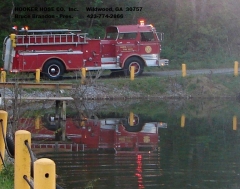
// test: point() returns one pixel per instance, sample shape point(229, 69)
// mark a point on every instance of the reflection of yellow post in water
point(234, 123)
point(236, 68)
point(183, 120)
point(132, 69)
point(131, 117)
point(37, 122)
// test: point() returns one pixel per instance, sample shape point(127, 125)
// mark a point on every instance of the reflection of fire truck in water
point(87, 134)
point(56, 52)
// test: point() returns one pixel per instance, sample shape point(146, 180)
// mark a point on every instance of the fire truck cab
point(56, 52)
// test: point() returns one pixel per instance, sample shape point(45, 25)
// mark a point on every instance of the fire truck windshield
point(147, 36)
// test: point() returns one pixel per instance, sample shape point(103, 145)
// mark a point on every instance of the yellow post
point(183, 120)
point(44, 174)
point(37, 75)
point(3, 123)
point(22, 159)
point(3, 76)
point(234, 123)
point(184, 70)
point(236, 68)
point(83, 77)
point(131, 117)
point(132, 69)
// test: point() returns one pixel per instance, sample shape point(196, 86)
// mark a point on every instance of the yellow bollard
point(236, 68)
point(22, 159)
point(44, 174)
point(3, 122)
point(132, 69)
point(184, 70)
point(131, 117)
point(83, 77)
point(37, 75)
point(3, 76)
point(234, 123)
point(183, 120)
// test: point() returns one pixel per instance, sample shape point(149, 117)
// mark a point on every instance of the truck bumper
point(163, 62)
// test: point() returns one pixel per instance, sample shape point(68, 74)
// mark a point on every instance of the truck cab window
point(127, 36)
point(147, 36)
point(112, 36)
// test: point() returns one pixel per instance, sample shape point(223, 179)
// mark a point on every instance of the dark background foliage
point(201, 33)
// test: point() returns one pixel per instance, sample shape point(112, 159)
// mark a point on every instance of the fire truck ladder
point(51, 37)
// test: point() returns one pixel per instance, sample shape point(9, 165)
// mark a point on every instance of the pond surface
point(141, 144)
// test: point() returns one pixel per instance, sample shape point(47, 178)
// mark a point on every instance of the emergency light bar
point(26, 28)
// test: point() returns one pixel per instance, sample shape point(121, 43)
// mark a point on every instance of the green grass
point(144, 85)
point(7, 177)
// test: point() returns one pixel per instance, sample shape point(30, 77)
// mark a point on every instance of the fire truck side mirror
point(161, 36)
point(13, 39)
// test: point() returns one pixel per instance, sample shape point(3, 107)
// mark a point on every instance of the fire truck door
point(149, 48)
point(126, 43)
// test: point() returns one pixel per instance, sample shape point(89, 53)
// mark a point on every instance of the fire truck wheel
point(53, 69)
point(137, 124)
point(137, 63)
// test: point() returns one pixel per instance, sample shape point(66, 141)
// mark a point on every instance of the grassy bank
point(208, 85)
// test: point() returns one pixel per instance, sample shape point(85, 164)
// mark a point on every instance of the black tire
point(138, 125)
point(137, 63)
point(53, 69)
point(10, 146)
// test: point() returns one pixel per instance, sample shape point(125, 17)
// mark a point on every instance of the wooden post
point(63, 120)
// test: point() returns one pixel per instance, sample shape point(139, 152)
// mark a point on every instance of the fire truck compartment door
point(28, 61)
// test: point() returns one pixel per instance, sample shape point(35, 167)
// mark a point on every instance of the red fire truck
point(58, 51)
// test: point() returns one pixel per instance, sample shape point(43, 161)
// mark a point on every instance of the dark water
point(172, 144)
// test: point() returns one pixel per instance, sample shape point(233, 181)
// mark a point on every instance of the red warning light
point(14, 27)
point(141, 22)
